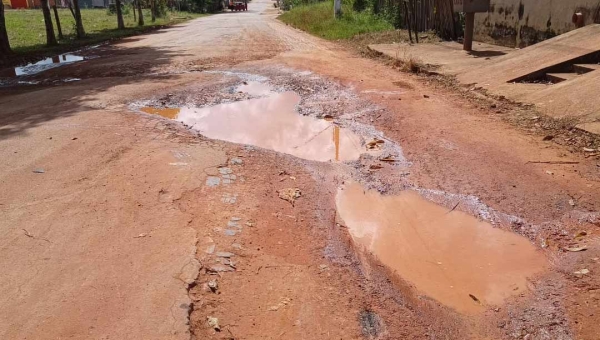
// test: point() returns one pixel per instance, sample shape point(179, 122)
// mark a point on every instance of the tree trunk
point(153, 9)
point(414, 20)
point(50, 37)
point(140, 14)
point(408, 20)
point(60, 35)
point(4, 43)
point(77, 15)
point(120, 23)
point(133, 7)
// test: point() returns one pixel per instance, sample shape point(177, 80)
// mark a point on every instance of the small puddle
point(446, 255)
point(271, 123)
point(168, 112)
point(41, 65)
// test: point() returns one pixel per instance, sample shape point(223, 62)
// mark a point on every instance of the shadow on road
point(66, 90)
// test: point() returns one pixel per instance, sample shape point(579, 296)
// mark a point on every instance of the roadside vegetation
point(317, 19)
point(360, 17)
point(26, 33)
point(26, 28)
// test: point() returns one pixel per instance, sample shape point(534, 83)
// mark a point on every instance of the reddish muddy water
point(272, 123)
point(452, 257)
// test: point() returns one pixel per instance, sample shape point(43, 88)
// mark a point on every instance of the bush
point(318, 19)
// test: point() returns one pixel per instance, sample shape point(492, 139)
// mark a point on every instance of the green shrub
point(318, 20)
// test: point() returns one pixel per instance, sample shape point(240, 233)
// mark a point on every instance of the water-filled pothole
point(41, 65)
point(450, 256)
point(272, 123)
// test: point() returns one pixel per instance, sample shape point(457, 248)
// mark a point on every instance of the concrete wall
point(520, 23)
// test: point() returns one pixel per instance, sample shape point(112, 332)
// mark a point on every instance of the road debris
point(210, 249)
point(213, 181)
point(575, 249)
point(290, 194)
point(589, 150)
point(375, 144)
point(230, 232)
point(552, 162)
point(474, 298)
point(454, 207)
point(39, 171)
point(30, 235)
point(225, 171)
point(217, 268)
point(224, 254)
point(582, 272)
point(213, 285)
point(213, 323)
point(284, 302)
point(141, 235)
point(236, 161)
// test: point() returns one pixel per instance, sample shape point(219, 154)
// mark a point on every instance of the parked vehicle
point(237, 5)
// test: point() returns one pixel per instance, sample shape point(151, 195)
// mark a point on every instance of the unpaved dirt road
point(119, 224)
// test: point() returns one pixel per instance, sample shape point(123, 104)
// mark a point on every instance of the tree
point(359, 5)
point(74, 7)
point(4, 43)
point(153, 9)
point(140, 14)
point(120, 23)
point(57, 18)
point(50, 37)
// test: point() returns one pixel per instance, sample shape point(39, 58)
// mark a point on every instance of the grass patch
point(318, 20)
point(27, 33)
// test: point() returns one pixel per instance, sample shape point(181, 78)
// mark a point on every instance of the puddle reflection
point(272, 123)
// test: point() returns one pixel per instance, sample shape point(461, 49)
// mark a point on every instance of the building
point(520, 23)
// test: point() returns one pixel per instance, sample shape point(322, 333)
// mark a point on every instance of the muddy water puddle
point(452, 257)
point(41, 65)
point(272, 123)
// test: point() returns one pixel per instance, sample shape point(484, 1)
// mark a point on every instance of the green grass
point(27, 33)
point(318, 20)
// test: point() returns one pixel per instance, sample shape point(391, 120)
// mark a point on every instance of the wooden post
point(408, 20)
point(469, 27)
